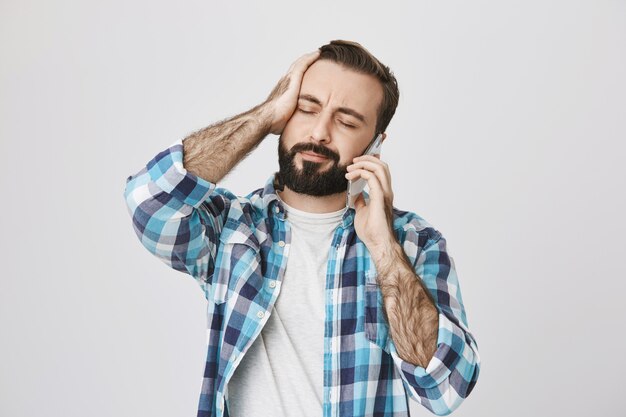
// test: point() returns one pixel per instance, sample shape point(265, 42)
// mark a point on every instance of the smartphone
point(356, 187)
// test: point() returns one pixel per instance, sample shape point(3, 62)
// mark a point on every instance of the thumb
point(359, 202)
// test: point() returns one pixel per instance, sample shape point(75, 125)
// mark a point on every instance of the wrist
point(263, 116)
point(384, 251)
point(266, 114)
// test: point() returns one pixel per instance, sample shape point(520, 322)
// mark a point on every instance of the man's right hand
point(283, 99)
point(212, 152)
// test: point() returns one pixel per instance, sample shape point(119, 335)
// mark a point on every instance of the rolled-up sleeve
point(176, 214)
point(452, 372)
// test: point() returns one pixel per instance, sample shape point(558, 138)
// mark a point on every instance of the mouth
point(311, 156)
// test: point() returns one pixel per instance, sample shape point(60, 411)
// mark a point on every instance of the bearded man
point(316, 308)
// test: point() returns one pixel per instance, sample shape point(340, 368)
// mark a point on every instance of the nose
point(320, 131)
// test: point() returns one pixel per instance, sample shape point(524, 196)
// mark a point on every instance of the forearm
point(212, 152)
point(411, 312)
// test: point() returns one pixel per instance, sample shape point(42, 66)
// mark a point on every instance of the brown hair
point(354, 56)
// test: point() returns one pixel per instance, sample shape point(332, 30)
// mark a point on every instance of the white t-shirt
point(282, 372)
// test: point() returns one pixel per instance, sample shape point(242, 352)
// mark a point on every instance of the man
point(315, 308)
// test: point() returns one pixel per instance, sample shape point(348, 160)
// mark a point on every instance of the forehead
point(337, 86)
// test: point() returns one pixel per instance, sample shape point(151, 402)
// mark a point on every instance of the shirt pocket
point(376, 325)
point(238, 256)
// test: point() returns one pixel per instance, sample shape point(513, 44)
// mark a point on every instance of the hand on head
point(284, 97)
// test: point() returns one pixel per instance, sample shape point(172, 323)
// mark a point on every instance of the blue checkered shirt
point(236, 249)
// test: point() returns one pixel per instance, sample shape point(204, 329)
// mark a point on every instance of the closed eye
point(349, 126)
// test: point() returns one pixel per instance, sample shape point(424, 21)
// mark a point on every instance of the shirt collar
point(274, 206)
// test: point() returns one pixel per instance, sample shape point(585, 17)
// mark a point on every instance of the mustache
point(312, 147)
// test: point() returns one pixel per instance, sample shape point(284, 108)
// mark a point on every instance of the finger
point(372, 158)
point(297, 70)
point(379, 168)
point(306, 57)
point(376, 190)
point(359, 202)
point(374, 155)
point(386, 179)
point(301, 64)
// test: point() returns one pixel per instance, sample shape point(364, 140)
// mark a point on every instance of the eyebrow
point(346, 110)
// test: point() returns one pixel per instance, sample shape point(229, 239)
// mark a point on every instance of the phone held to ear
point(356, 187)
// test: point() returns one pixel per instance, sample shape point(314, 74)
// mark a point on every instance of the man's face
point(336, 119)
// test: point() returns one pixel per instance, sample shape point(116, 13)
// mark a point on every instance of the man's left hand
point(373, 222)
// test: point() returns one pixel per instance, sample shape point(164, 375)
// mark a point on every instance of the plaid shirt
point(236, 249)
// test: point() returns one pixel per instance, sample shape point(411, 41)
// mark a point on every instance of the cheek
point(289, 136)
point(296, 123)
point(293, 133)
point(347, 155)
point(346, 158)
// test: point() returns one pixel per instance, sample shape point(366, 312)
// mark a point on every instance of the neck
point(313, 204)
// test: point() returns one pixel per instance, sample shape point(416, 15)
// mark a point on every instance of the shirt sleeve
point(452, 372)
point(177, 215)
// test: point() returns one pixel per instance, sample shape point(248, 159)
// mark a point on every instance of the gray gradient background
point(509, 138)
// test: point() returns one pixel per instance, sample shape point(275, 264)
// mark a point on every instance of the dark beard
point(309, 180)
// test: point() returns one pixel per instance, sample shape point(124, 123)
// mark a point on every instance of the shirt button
point(260, 314)
point(281, 243)
point(276, 209)
point(272, 284)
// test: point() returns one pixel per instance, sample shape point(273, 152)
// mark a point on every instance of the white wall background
point(509, 138)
